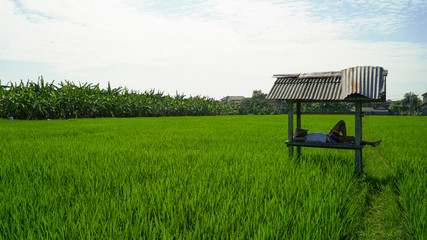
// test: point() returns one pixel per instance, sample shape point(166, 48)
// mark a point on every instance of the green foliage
point(257, 105)
point(44, 100)
point(411, 99)
point(332, 107)
point(403, 148)
point(204, 177)
point(396, 106)
point(407, 106)
point(223, 177)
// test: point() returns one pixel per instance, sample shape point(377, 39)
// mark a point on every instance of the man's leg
point(373, 144)
point(351, 139)
point(348, 139)
point(340, 127)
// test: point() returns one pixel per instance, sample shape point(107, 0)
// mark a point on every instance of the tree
point(412, 101)
point(407, 106)
point(259, 97)
point(326, 106)
point(257, 104)
point(396, 106)
point(411, 98)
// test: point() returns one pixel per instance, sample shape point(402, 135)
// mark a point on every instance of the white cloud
point(213, 47)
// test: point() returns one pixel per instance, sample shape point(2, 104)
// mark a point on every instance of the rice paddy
point(209, 177)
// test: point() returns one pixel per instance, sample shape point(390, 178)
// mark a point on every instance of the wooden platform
point(324, 145)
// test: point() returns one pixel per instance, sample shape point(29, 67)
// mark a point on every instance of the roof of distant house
point(236, 98)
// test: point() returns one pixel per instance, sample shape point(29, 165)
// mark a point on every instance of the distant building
point(235, 99)
point(423, 106)
point(376, 108)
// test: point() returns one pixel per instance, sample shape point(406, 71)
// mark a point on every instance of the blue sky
point(211, 47)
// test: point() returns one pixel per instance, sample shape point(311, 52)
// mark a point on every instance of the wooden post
point(298, 124)
point(358, 140)
point(290, 127)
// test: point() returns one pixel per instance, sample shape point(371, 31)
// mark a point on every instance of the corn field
point(43, 100)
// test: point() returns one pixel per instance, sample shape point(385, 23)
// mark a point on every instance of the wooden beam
point(358, 136)
point(348, 146)
point(298, 124)
point(290, 126)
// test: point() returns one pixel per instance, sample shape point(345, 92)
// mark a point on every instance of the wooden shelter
point(356, 84)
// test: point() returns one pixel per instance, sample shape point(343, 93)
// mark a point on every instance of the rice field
point(211, 177)
point(404, 149)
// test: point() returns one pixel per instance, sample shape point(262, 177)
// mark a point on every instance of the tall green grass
point(180, 177)
point(404, 148)
point(44, 100)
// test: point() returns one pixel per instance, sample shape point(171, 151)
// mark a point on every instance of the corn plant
point(66, 99)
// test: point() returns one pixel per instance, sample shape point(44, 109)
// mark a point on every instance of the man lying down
point(338, 134)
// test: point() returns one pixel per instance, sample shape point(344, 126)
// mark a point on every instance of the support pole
point(298, 124)
point(290, 127)
point(358, 140)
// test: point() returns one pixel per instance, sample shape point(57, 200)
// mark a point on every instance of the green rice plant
point(180, 177)
point(403, 148)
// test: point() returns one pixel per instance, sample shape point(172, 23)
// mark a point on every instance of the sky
point(211, 48)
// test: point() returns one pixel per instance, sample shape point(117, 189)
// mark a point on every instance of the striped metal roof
point(352, 84)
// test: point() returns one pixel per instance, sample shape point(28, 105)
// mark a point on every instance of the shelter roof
point(363, 83)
